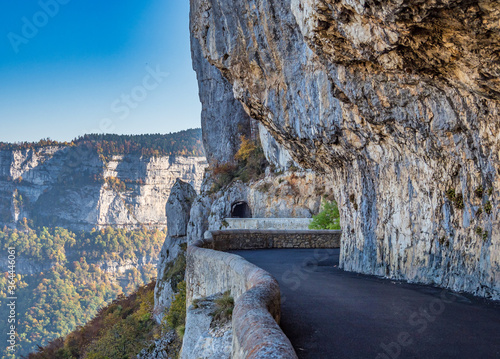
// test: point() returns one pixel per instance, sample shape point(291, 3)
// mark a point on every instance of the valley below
point(87, 221)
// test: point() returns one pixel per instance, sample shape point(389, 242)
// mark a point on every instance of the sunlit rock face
point(397, 103)
point(221, 138)
point(71, 187)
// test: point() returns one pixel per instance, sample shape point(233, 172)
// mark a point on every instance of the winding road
point(330, 313)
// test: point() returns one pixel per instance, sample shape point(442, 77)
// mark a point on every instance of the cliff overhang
point(396, 102)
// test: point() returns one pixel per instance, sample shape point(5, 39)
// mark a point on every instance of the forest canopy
point(183, 143)
point(66, 277)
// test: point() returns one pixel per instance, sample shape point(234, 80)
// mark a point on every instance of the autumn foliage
point(119, 330)
point(73, 284)
point(183, 143)
point(250, 164)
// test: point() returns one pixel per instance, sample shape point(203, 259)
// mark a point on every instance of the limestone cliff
point(284, 195)
point(396, 103)
point(78, 189)
point(172, 261)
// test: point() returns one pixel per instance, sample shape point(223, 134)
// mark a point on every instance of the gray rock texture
point(70, 187)
point(285, 195)
point(178, 207)
point(397, 103)
point(163, 348)
point(221, 138)
point(206, 338)
point(172, 262)
point(274, 152)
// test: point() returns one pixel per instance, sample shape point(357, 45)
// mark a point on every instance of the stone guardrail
point(257, 311)
point(268, 223)
point(270, 238)
point(256, 314)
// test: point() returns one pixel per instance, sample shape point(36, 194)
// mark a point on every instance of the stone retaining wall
point(256, 314)
point(257, 311)
point(234, 239)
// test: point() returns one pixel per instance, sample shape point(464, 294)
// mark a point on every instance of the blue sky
point(71, 67)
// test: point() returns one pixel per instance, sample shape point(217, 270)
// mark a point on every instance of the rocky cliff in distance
point(397, 103)
point(75, 188)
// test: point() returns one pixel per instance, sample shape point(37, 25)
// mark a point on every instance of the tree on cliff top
point(183, 143)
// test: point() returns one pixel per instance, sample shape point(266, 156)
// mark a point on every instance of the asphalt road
point(329, 313)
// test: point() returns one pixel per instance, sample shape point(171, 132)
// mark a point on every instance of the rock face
point(205, 336)
point(74, 188)
point(116, 269)
point(274, 152)
point(397, 103)
point(220, 137)
point(285, 195)
point(163, 348)
point(178, 207)
point(172, 261)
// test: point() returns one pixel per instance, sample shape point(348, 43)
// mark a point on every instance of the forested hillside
point(123, 329)
point(186, 143)
point(78, 276)
point(51, 196)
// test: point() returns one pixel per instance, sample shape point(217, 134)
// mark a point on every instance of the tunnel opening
point(241, 209)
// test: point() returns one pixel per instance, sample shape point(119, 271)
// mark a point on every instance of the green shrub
point(456, 198)
point(224, 307)
point(488, 207)
point(176, 315)
point(459, 201)
point(328, 218)
point(180, 330)
point(450, 194)
point(174, 272)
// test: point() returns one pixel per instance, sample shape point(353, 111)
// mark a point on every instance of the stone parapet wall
point(257, 311)
point(256, 315)
point(234, 239)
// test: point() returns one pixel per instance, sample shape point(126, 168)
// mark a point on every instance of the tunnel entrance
point(241, 209)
